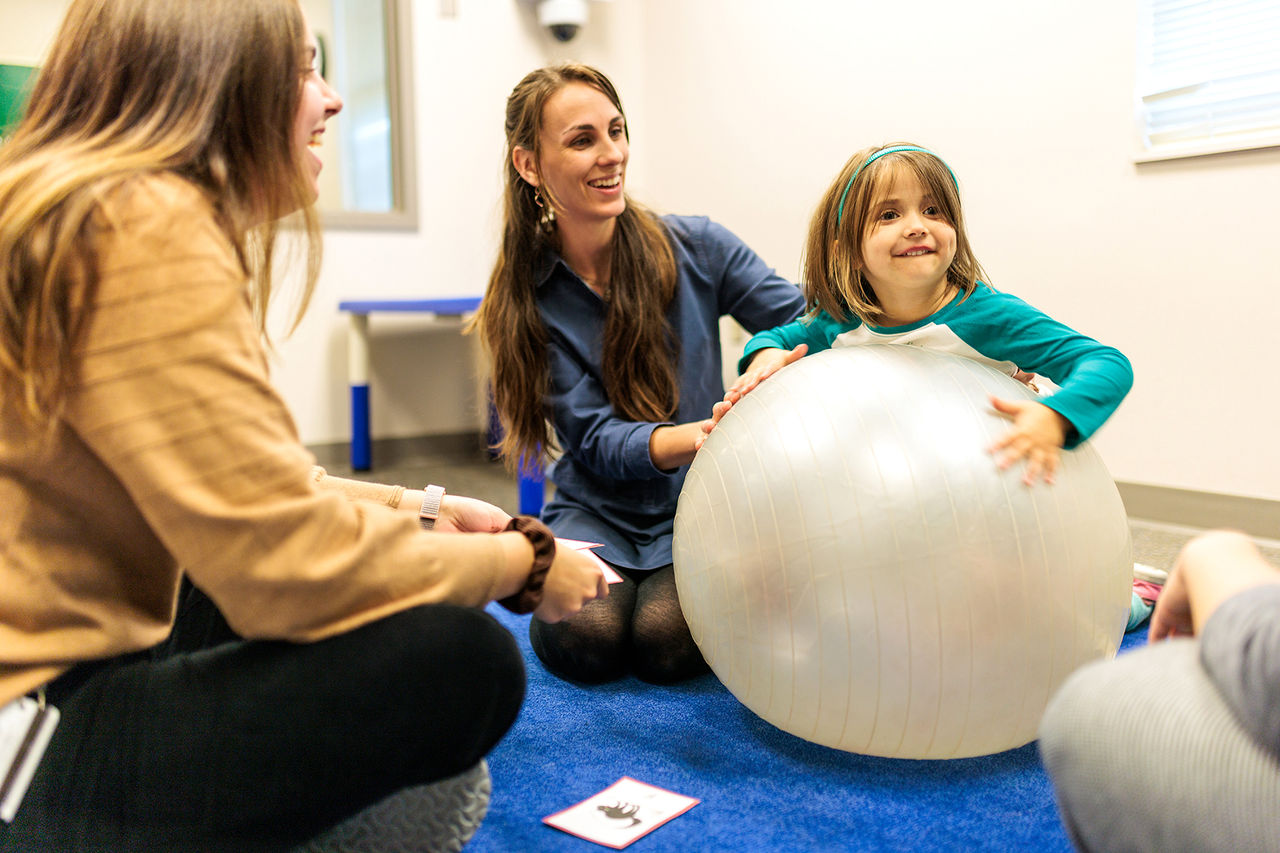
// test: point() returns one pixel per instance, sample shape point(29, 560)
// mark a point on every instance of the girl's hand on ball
point(1038, 435)
point(764, 364)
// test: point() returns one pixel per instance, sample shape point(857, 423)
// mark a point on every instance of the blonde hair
point(833, 259)
point(639, 350)
point(205, 90)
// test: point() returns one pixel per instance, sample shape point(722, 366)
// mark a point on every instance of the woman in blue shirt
point(601, 321)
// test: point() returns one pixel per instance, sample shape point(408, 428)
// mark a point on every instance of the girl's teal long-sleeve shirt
point(995, 328)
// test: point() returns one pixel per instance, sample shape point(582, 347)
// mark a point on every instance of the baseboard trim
point(1255, 516)
point(1186, 507)
point(385, 452)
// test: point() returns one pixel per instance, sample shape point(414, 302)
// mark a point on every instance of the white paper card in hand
point(621, 813)
point(25, 729)
point(610, 575)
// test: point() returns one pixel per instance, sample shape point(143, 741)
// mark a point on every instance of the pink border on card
point(610, 575)
point(693, 802)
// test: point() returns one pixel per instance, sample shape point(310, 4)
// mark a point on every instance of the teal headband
point(892, 149)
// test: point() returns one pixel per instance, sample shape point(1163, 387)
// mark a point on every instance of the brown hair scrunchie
point(544, 552)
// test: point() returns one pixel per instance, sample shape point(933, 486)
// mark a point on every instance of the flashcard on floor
point(621, 813)
point(610, 575)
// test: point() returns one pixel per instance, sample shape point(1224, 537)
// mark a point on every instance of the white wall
point(745, 109)
point(1032, 105)
point(467, 55)
point(27, 27)
point(465, 65)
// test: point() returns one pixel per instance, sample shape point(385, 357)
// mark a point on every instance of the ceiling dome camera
point(563, 32)
point(562, 18)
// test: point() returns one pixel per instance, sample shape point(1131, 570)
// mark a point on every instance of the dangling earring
point(548, 217)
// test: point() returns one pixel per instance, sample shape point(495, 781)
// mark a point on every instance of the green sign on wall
point(15, 81)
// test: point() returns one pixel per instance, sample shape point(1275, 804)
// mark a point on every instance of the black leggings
point(637, 627)
point(213, 743)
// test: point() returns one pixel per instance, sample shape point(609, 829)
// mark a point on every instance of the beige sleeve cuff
point(358, 490)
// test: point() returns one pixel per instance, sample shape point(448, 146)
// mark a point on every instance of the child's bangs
point(929, 171)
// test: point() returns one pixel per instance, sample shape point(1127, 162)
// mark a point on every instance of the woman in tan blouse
point(141, 443)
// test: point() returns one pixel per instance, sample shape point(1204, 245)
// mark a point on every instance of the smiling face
point(908, 244)
point(583, 156)
point(319, 102)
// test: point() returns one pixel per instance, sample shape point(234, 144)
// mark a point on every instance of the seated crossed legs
point(638, 628)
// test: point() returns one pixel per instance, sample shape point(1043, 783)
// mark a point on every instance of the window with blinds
point(1208, 76)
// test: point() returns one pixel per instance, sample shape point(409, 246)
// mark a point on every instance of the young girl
point(888, 261)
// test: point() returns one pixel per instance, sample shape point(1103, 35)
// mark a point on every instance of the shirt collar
point(551, 266)
point(545, 267)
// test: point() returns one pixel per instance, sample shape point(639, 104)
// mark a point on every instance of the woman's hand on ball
point(1037, 435)
point(764, 364)
point(717, 412)
point(573, 580)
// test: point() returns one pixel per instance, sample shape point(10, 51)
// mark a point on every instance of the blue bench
point(453, 310)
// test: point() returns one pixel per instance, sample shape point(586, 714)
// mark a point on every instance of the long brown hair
point(207, 90)
point(639, 351)
point(833, 251)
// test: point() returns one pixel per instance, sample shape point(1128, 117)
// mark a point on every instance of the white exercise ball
point(858, 571)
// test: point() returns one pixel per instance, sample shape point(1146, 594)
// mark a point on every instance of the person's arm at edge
point(1211, 568)
point(1225, 591)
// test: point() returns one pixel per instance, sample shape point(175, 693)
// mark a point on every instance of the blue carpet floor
point(761, 788)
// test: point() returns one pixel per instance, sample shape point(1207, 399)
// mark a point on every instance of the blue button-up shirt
point(607, 487)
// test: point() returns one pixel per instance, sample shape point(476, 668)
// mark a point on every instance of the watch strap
point(430, 509)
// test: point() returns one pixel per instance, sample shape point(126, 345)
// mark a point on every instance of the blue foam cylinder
point(532, 490)
point(360, 449)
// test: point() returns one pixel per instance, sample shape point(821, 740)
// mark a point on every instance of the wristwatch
point(430, 509)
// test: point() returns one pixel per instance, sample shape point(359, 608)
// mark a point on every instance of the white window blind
point(1209, 75)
